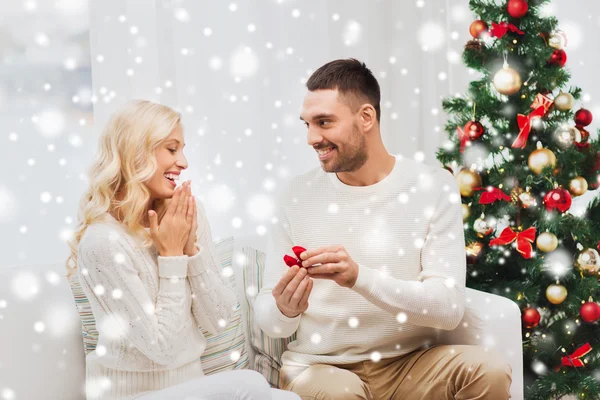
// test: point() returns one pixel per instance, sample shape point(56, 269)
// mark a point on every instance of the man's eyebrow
point(178, 142)
point(319, 116)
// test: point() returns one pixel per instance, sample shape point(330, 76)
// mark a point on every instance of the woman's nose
point(182, 162)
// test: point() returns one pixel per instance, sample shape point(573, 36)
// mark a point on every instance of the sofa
point(42, 354)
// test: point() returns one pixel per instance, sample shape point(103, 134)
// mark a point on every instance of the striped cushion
point(268, 351)
point(225, 351)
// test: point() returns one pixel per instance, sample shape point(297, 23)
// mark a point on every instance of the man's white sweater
point(406, 234)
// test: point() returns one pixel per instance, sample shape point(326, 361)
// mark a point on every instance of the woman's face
point(170, 162)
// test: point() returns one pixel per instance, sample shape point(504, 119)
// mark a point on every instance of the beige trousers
point(437, 373)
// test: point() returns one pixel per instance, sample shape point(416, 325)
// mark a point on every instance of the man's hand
point(336, 265)
point(292, 291)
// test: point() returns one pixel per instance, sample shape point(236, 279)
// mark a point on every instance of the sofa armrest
point(492, 321)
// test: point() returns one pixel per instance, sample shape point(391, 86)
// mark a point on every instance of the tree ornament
point(474, 130)
point(482, 227)
point(527, 200)
point(588, 261)
point(526, 122)
point(559, 199)
point(517, 8)
point(542, 101)
point(556, 293)
point(574, 360)
point(541, 158)
point(475, 46)
point(507, 81)
point(531, 317)
point(547, 242)
point(590, 312)
point(564, 101)
point(466, 212)
point(578, 186)
point(566, 136)
point(502, 28)
point(583, 117)
point(558, 57)
point(477, 28)
point(492, 194)
point(522, 197)
point(585, 135)
point(523, 239)
point(467, 181)
point(473, 251)
point(558, 40)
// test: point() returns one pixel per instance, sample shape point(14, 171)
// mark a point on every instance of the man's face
point(334, 131)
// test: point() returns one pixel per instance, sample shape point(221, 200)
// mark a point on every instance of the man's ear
point(368, 116)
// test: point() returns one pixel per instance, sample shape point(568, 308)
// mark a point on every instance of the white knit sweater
point(406, 234)
point(149, 309)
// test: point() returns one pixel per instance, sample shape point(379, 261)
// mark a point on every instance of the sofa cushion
point(224, 351)
point(267, 360)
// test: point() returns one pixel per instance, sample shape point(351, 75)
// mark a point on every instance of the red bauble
point(558, 57)
point(558, 198)
point(517, 8)
point(477, 28)
point(531, 317)
point(583, 117)
point(474, 130)
point(590, 312)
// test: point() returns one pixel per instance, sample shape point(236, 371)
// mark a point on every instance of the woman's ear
point(368, 116)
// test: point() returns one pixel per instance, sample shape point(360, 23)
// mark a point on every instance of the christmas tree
point(520, 151)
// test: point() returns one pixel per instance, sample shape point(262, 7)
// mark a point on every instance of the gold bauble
point(466, 212)
point(467, 181)
point(589, 261)
point(547, 242)
point(567, 136)
point(541, 158)
point(556, 293)
point(578, 186)
point(507, 81)
point(564, 101)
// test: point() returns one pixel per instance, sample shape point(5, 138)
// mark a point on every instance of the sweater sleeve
point(436, 300)
point(266, 313)
point(213, 298)
point(126, 309)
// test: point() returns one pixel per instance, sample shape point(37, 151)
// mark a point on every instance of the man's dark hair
point(352, 79)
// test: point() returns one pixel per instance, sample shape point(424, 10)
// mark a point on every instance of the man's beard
point(352, 158)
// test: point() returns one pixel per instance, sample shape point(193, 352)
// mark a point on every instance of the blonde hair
point(125, 160)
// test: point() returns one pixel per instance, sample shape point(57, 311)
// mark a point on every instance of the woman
point(144, 255)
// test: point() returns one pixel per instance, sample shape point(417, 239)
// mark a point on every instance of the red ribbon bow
point(573, 360)
point(524, 122)
point(524, 240)
point(491, 195)
point(499, 30)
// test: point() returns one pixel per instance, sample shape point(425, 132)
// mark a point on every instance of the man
point(384, 266)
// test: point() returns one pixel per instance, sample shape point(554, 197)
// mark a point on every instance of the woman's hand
point(190, 247)
point(171, 236)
